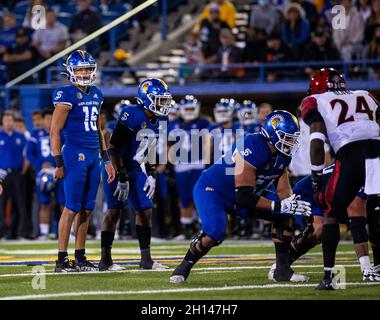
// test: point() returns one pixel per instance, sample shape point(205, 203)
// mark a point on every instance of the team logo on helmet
point(145, 86)
point(275, 120)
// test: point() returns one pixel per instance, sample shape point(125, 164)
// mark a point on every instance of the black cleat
point(326, 284)
point(65, 266)
point(288, 274)
point(181, 273)
point(85, 266)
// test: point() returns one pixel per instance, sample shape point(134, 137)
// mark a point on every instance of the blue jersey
point(256, 152)
point(176, 129)
point(80, 129)
point(223, 138)
point(12, 150)
point(141, 133)
point(38, 150)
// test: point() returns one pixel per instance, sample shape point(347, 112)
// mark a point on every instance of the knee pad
point(196, 246)
point(279, 231)
point(373, 214)
point(358, 229)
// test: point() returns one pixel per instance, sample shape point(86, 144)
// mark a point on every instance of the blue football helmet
point(246, 112)
point(45, 180)
point(80, 59)
point(189, 108)
point(224, 110)
point(154, 95)
point(118, 107)
point(173, 111)
point(282, 130)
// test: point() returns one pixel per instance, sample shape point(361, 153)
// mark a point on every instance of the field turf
point(234, 270)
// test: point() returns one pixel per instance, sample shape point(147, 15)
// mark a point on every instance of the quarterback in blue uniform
point(257, 163)
point(77, 109)
point(131, 144)
point(188, 161)
point(38, 152)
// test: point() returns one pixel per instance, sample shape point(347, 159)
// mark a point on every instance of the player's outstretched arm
point(60, 115)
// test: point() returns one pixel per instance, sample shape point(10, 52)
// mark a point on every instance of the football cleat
point(285, 275)
point(370, 274)
point(65, 266)
point(85, 266)
point(325, 284)
point(152, 266)
point(109, 266)
point(181, 273)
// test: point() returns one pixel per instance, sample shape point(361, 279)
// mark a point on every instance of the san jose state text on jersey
point(81, 126)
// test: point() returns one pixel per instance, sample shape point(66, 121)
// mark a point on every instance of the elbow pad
point(246, 198)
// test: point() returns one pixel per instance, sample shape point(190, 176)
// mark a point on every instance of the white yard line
point(199, 269)
point(181, 290)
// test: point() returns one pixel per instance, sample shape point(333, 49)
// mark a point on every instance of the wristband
point(122, 175)
point(151, 170)
point(276, 206)
point(104, 155)
point(59, 161)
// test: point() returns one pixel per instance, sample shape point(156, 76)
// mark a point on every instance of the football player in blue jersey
point(222, 134)
point(244, 179)
point(312, 232)
point(247, 116)
point(38, 152)
point(189, 159)
point(133, 138)
point(77, 108)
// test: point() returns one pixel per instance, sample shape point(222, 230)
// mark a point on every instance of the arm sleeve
point(309, 111)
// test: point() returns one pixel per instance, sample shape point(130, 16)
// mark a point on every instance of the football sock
point(62, 256)
point(282, 254)
point(107, 238)
point(80, 255)
point(364, 262)
point(330, 240)
point(44, 229)
point(144, 236)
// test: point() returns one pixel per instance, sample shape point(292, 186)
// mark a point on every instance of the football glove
point(122, 189)
point(150, 186)
point(317, 185)
point(292, 205)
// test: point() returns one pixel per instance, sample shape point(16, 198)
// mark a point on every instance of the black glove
point(317, 185)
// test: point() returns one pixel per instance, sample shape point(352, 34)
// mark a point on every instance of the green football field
point(234, 270)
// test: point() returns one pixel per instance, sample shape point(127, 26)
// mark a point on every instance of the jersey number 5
point(361, 107)
point(90, 122)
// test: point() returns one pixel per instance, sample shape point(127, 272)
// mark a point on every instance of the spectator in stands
point(19, 58)
point(364, 8)
point(349, 40)
point(228, 53)
point(227, 12)
point(12, 144)
point(373, 21)
point(8, 32)
point(85, 22)
point(209, 33)
point(295, 29)
point(311, 12)
point(265, 16)
point(51, 40)
point(319, 49)
point(373, 53)
point(254, 50)
point(29, 13)
point(193, 49)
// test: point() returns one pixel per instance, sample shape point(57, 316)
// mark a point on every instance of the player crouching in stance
point(136, 178)
point(243, 178)
point(77, 108)
point(357, 218)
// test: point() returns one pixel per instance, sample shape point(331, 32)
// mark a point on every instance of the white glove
point(151, 184)
point(122, 191)
point(293, 205)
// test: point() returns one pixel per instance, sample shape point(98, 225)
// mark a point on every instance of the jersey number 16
point(90, 122)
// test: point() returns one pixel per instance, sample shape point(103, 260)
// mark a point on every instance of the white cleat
point(296, 277)
point(159, 266)
point(115, 267)
point(371, 274)
point(177, 279)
